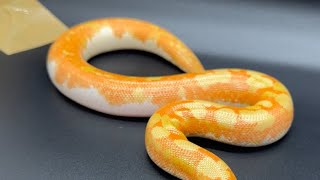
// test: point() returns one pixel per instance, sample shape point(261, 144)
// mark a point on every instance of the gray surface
point(43, 135)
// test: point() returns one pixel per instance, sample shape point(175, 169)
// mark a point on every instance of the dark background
point(43, 135)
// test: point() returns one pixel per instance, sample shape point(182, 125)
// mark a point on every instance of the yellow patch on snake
point(285, 101)
point(262, 117)
point(221, 76)
point(225, 117)
point(265, 103)
point(199, 113)
point(198, 110)
point(179, 113)
point(256, 81)
point(186, 145)
point(88, 69)
point(269, 94)
point(138, 95)
point(279, 87)
point(213, 169)
point(94, 70)
point(166, 122)
point(153, 78)
point(171, 124)
point(182, 93)
point(175, 121)
point(198, 104)
point(159, 132)
point(154, 120)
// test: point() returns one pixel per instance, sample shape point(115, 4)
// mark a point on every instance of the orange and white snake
point(188, 104)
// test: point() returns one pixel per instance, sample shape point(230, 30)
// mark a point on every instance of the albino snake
point(181, 105)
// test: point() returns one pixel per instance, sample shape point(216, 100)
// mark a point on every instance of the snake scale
point(188, 104)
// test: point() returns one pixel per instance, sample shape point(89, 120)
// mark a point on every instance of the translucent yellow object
point(26, 24)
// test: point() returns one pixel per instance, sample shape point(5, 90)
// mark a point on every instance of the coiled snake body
point(188, 104)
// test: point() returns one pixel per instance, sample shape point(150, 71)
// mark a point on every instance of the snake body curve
point(188, 104)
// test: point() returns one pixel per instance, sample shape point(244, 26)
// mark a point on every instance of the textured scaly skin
point(188, 104)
